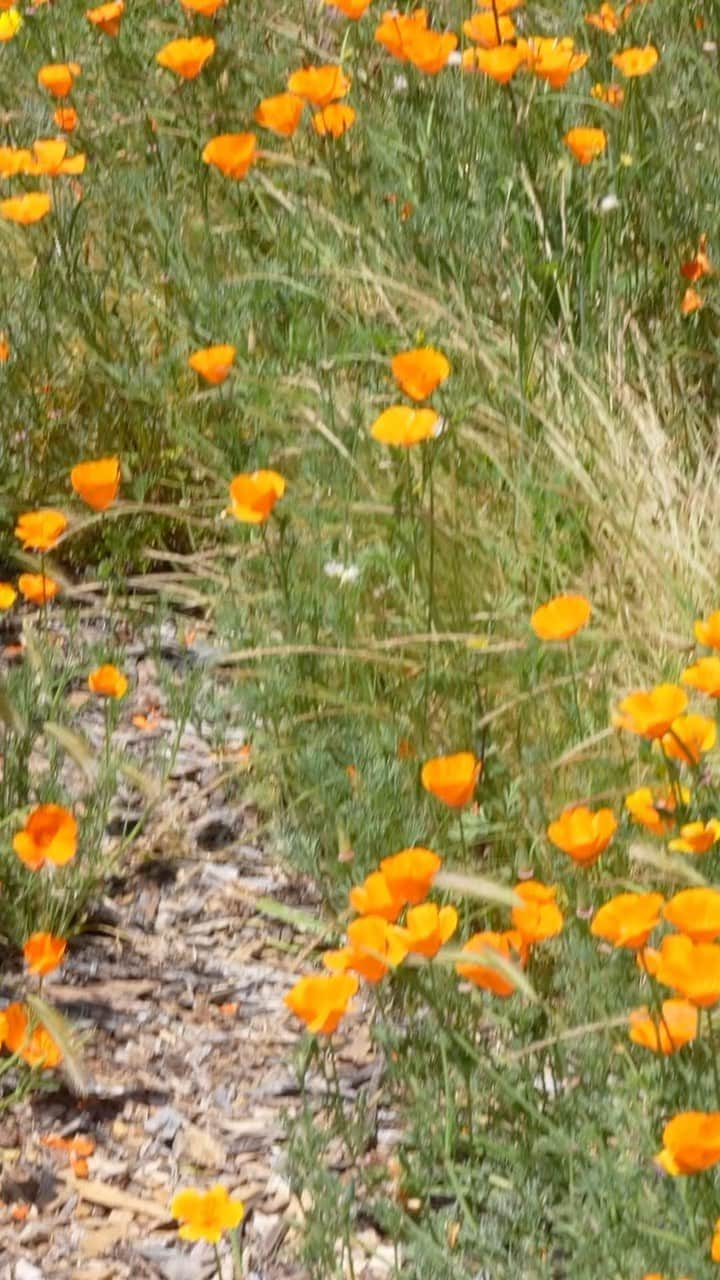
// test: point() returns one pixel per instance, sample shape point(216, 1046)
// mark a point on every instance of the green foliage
point(578, 450)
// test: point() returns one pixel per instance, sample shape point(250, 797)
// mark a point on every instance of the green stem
point(218, 1264)
point(673, 778)
point(463, 840)
point(430, 599)
point(237, 1254)
point(449, 1162)
point(43, 610)
point(656, 1004)
point(713, 1055)
point(108, 734)
point(576, 695)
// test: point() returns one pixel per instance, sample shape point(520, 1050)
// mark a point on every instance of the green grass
point(579, 453)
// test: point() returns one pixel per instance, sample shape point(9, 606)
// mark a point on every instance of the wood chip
point(110, 1197)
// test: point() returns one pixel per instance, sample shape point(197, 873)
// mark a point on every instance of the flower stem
point(430, 595)
point(218, 1264)
point(108, 734)
point(237, 1254)
point(573, 679)
point(713, 1055)
point(43, 611)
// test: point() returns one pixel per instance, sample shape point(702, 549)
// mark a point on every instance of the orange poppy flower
point(429, 50)
point(585, 143)
point(691, 1142)
point(452, 779)
point(691, 301)
point(352, 9)
point(43, 952)
point(654, 811)
point(35, 1046)
point(486, 945)
point(635, 62)
point(582, 834)
point(374, 897)
point(500, 63)
point(334, 121)
point(539, 917)
point(397, 30)
point(374, 947)
point(321, 1001)
point(97, 483)
point(696, 837)
point(613, 95)
point(485, 31)
point(4, 349)
point(561, 618)
point(628, 919)
point(428, 928)
point(699, 265)
point(689, 737)
point(107, 17)
point(677, 1027)
point(319, 85)
point(11, 21)
point(403, 427)
point(38, 588)
point(690, 968)
point(205, 1215)
point(704, 675)
point(40, 530)
point(253, 495)
point(554, 60)
point(49, 835)
point(107, 682)
point(231, 153)
point(187, 56)
point(49, 158)
point(650, 712)
point(281, 114)
point(695, 913)
point(206, 8)
point(58, 78)
point(8, 595)
point(410, 873)
point(13, 161)
point(707, 631)
point(213, 363)
point(66, 118)
point(26, 209)
point(420, 371)
point(606, 19)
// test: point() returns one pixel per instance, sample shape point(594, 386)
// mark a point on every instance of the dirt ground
point(176, 992)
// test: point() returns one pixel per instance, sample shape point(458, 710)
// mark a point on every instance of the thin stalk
point(218, 1264)
point(574, 683)
point(673, 778)
point(447, 1143)
point(430, 597)
point(656, 1002)
point(237, 1254)
point(713, 1054)
point(43, 608)
point(108, 734)
point(463, 840)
